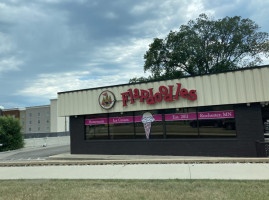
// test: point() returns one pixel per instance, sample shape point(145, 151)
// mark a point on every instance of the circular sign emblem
point(107, 99)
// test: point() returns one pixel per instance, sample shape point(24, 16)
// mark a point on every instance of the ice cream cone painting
point(146, 120)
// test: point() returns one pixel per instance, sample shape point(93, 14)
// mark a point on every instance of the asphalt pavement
point(34, 153)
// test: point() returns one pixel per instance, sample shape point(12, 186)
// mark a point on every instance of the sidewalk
point(67, 166)
point(239, 171)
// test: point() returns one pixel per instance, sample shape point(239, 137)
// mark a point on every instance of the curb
point(126, 162)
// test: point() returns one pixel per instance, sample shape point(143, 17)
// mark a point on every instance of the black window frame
point(134, 136)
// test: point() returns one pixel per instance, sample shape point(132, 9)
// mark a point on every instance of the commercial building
point(23, 120)
point(219, 114)
point(15, 113)
point(57, 124)
point(38, 119)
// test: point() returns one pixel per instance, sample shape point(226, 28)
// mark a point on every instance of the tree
point(10, 134)
point(206, 46)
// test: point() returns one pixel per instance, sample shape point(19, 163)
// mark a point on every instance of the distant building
point(37, 119)
point(23, 120)
point(14, 112)
point(17, 114)
point(57, 124)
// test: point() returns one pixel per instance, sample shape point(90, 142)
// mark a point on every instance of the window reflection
point(121, 125)
point(213, 121)
point(96, 127)
point(179, 123)
point(216, 121)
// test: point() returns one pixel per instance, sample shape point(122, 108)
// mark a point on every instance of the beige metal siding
point(244, 86)
point(265, 81)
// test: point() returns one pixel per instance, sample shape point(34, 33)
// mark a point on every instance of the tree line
point(205, 46)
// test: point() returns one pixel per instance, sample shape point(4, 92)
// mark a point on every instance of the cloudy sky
point(49, 46)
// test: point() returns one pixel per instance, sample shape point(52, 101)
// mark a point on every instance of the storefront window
point(121, 125)
point(216, 121)
point(265, 118)
point(213, 121)
point(149, 124)
point(181, 123)
point(96, 127)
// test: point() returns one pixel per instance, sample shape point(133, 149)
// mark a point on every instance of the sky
point(50, 46)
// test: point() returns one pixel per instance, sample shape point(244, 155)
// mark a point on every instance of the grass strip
point(133, 189)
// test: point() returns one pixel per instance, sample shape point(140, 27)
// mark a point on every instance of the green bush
point(10, 134)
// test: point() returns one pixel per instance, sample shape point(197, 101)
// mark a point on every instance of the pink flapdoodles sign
point(180, 116)
point(201, 115)
point(119, 120)
point(168, 117)
point(96, 121)
point(216, 114)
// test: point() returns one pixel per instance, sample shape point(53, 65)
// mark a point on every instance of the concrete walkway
point(237, 171)
point(67, 166)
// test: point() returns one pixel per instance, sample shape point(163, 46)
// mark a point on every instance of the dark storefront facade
point(171, 117)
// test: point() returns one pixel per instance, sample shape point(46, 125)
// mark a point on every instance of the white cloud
point(111, 15)
point(124, 54)
point(20, 14)
point(142, 8)
point(47, 85)
point(9, 64)
point(32, 27)
point(6, 44)
point(195, 8)
point(63, 1)
point(168, 15)
point(51, 1)
point(10, 104)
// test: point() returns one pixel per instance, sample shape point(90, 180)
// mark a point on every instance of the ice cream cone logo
point(146, 120)
point(107, 99)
